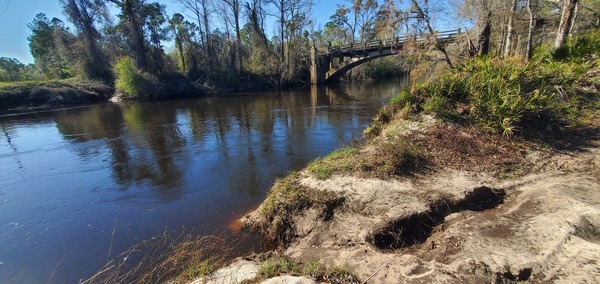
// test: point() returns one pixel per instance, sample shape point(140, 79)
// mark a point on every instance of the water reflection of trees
point(234, 143)
point(143, 141)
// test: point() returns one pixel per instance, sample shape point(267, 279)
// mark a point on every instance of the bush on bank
point(135, 84)
point(554, 90)
point(132, 82)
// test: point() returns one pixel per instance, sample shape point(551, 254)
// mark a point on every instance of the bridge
point(325, 70)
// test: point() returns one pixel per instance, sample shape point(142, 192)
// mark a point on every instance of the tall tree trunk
point(528, 49)
point(501, 40)
point(484, 36)
point(572, 26)
point(179, 44)
point(565, 22)
point(132, 9)
point(282, 29)
point(509, 29)
point(236, 17)
point(209, 46)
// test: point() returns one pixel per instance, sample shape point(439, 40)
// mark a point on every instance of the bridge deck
point(353, 49)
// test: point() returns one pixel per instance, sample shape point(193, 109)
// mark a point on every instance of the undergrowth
point(276, 265)
point(133, 82)
point(393, 158)
point(509, 95)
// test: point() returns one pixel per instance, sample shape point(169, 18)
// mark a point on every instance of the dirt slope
point(456, 226)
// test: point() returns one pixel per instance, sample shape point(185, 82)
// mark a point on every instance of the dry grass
point(390, 159)
point(469, 148)
point(166, 258)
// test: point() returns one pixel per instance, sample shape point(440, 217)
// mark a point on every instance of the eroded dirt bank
point(523, 215)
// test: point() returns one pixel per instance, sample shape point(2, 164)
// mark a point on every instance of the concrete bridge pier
point(318, 66)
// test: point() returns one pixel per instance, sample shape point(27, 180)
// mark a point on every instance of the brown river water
point(80, 185)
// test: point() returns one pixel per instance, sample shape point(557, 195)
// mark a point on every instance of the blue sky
point(16, 14)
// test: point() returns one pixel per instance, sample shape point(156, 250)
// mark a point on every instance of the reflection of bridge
point(323, 69)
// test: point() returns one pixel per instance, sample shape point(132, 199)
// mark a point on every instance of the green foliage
point(11, 70)
point(199, 269)
point(278, 265)
point(337, 161)
point(505, 95)
point(312, 268)
point(133, 82)
point(49, 58)
point(435, 104)
point(391, 159)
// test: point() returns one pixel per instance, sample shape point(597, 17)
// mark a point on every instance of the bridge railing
point(381, 43)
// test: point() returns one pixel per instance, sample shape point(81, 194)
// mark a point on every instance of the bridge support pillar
point(317, 72)
point(314, 69)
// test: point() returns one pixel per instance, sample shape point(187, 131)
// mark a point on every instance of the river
point(79, 185)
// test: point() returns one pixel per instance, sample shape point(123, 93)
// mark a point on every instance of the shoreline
point(446, 225)
point(470, 177)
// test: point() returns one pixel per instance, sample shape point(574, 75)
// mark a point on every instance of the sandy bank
point(539, 223)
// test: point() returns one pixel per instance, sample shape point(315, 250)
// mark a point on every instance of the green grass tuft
point(339, 160)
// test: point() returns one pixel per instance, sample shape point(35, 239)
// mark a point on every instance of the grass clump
point(286, 198)
point(399, 158)
point(509, 95)
point(396, 158)
point(199, 269)
point(339, 160)
point(277, 265)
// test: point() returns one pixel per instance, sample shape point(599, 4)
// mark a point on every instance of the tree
point(480, 12)
point(200, 9)
point(565, 22)
point(509, 28)
point(157, 32)
point(359, 18)
point(235, 6)
point(43, 47)
point(132, 18)
point(424, 17)
point(11, 70)
point(281, 6)
point(179, 31)
point(531, 12)
point(85, 14)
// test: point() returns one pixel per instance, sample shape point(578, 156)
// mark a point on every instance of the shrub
point(504, 95)
point(133, 82)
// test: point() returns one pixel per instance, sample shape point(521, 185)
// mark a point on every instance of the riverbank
point(24, 95)
point(489, 173)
